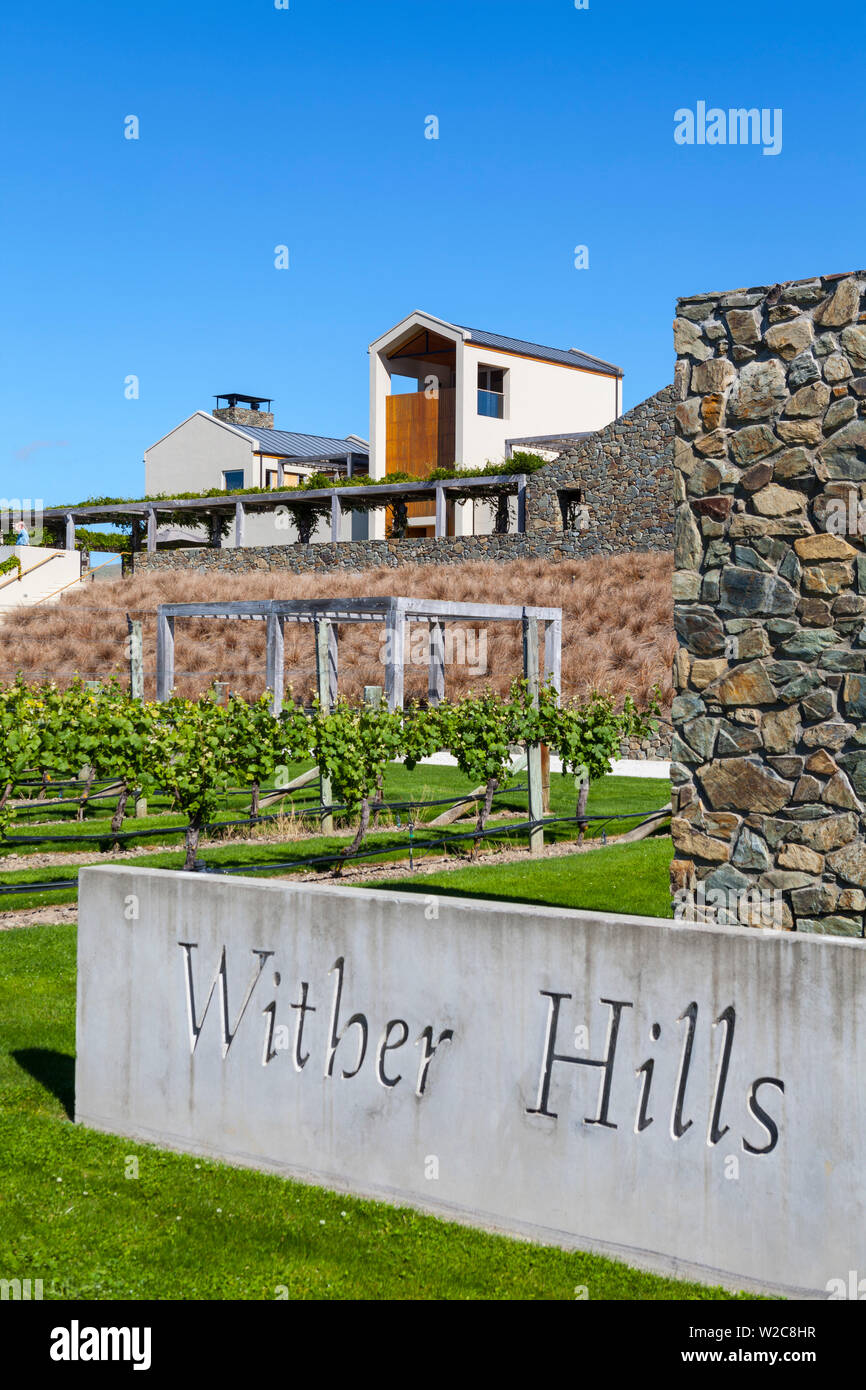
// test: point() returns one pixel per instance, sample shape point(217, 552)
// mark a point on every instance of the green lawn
point(611, 796)
point(620, 878)
point(186, 1228)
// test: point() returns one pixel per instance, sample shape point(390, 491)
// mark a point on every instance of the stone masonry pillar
point(769, 746)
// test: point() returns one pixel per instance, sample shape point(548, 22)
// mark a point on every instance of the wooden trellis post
point(164, 654)
point(325, 636)
point(553, 654)
point(136, 660)
point(436, 677)
point(275, 678)
point(395, 628)
point(533, 750)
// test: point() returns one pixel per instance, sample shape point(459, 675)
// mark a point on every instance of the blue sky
point(305, 127)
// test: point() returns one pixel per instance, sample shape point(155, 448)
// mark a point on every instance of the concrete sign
point(688, 1098)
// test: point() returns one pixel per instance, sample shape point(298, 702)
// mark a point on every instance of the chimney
point(244, 410)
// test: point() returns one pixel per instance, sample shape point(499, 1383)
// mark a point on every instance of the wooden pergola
point(221, 508)
point(539, 625)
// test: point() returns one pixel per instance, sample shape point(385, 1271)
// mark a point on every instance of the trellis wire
point(339, 855)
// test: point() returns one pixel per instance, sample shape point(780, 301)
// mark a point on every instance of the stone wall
point(769, 741)
point(623, 474)
point(325, 556)
point(657, 748)
point(237, 415)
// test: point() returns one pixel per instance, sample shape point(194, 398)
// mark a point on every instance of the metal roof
point(302, 446)
point(570, 357)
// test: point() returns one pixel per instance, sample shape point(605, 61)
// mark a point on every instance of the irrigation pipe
point(338, 855)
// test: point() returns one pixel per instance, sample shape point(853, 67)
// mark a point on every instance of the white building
point(478, 394)
point(239, 448)
point(467, 398)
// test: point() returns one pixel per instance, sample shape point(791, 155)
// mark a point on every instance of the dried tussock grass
point(617, 636)
point(286, 826)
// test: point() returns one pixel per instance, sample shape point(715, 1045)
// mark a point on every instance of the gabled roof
point(287, 444)
point(569, 357)
point(479, 337)
point(284, 443)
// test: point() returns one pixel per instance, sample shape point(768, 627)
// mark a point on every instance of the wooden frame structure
point(325, 615)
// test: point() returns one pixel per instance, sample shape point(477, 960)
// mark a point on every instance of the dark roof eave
point(566, 357)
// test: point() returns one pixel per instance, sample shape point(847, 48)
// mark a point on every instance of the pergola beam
point(385, 493)
point(395, 613)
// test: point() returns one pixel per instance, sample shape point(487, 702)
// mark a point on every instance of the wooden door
point(419, 437)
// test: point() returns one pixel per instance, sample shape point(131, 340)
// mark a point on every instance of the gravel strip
point(39, 917)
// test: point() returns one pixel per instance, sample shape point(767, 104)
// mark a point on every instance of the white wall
point(194, 456)
point(541, 398)
point(261, 528)
point(61, 571)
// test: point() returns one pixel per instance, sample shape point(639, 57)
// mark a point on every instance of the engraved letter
point(643, 1120)
point(761, 1115)
point(728, 1017)
point(196, 1025)
point(386, 1046)
point(268, 1053)
point(678, 1129)
point(336, 1036)
point(551, 1056)
point(429, 1053)
point(304, 1008)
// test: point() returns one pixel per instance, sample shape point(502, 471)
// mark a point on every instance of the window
point(272, 479)
point(491, 392)
point(233, 479)
point(575, 515)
